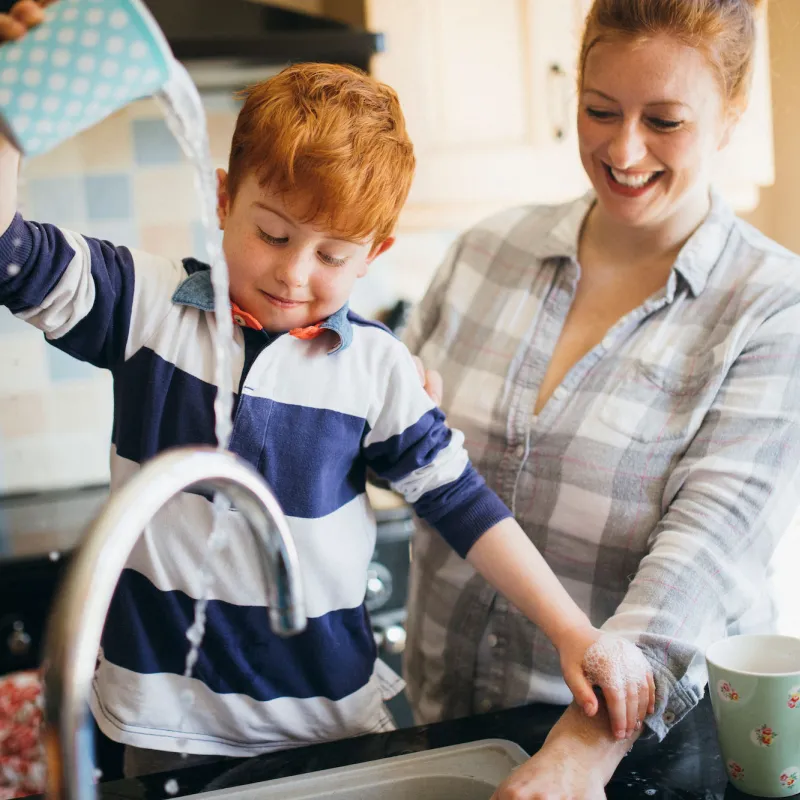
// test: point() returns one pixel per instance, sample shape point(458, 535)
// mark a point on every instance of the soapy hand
point(24, 15)
point(590, 658)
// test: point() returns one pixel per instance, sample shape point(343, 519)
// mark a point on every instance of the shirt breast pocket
point(662, 396)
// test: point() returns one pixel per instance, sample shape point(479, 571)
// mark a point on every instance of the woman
point(624, 369)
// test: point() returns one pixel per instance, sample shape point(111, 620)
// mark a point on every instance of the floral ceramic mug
point(754, 683)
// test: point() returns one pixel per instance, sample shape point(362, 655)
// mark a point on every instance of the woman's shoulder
point(534, 228)
point(764, 261)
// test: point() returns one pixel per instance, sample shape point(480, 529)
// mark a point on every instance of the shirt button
point(520, 450)
point(607, 342)
point(560, 393)
point(491, 640)
point(668, 717)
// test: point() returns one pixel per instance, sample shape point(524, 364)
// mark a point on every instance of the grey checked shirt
point(656, 481)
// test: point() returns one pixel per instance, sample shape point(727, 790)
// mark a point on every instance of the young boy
point(319, 169)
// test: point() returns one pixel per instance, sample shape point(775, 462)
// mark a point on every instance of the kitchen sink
point(463, 772)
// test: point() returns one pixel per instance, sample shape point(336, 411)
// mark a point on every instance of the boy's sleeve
point(410, 445)
point(79, 291)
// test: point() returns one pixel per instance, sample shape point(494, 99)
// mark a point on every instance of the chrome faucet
point(80, 608)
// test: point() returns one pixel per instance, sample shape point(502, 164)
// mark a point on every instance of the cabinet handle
point(558, 100)
point(19, 641)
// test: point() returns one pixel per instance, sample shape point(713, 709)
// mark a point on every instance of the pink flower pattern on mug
point(727, 692)
point(736, 771)
point(764, 736)
point(790, 777)
point(794, 697)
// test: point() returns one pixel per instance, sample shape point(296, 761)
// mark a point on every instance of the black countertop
point(686, 764)
point(32, 526)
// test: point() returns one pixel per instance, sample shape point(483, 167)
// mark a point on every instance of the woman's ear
point(729, 127)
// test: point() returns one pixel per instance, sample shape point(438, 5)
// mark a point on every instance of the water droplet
point(54, 555)
point(13, 270)
point(171, 786)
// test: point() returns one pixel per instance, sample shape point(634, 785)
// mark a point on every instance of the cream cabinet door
point(489, 92)
point(488, 89)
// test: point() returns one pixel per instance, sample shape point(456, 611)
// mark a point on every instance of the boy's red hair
point(334, 137)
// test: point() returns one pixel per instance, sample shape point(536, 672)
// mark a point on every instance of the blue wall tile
point(66, 368)
point(109, 196)
point(9, 323)
point(199, 248)
point(153, 143)
point(61, 201)
point(121, 232)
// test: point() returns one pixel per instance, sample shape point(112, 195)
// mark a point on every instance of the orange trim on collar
point(245, 320)
point(311, 332)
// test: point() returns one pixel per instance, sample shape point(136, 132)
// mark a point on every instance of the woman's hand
point(24, 15)
point(552, 776)
point(431, 380)
point(576, 761)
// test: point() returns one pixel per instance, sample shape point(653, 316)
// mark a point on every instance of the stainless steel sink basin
point(464, 772)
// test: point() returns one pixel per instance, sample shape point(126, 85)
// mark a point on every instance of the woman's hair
point(724, 30)
point(336, 136)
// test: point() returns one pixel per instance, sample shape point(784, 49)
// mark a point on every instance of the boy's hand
point(24, 15)
point(590, 658)
point(431, 381)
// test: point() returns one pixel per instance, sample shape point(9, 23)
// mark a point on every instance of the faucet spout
point(80, 608)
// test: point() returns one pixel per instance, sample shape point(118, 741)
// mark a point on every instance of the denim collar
point(197, 292)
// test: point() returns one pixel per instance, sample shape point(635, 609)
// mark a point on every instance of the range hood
point(228, 44)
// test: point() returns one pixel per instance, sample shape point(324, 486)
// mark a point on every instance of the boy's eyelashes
point(272, 239)
point(277, 241)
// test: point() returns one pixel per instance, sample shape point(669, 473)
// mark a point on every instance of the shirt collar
point(694, 263)
point(197, 292)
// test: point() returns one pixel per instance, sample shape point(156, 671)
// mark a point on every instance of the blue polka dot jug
point(88, 59)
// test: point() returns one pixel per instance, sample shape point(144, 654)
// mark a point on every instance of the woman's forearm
point(588, 740)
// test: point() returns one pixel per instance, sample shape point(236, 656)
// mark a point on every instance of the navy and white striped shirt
point(311, 416)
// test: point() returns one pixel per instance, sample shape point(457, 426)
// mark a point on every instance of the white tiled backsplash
point(125, 180)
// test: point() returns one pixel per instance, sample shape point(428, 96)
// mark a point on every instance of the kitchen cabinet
point(489, 92)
